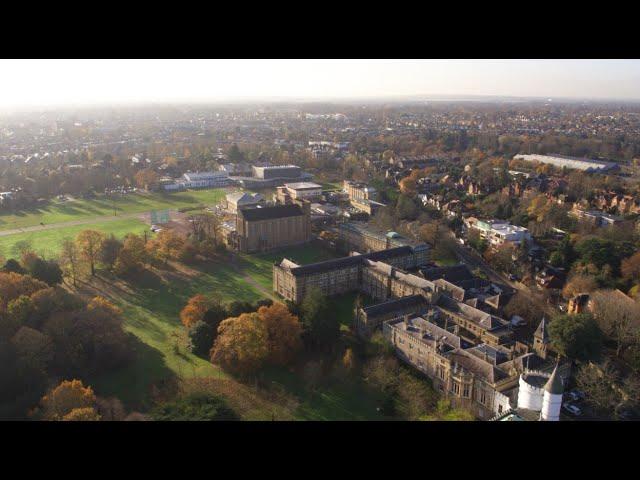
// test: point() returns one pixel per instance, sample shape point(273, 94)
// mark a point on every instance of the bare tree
point(618, 316)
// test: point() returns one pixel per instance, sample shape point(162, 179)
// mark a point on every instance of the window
point(456, 387)
point(483, 397)
point(499, 408)
point(465, 391)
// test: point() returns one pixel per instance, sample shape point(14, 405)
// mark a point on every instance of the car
point(572, 409)
point(575, 395)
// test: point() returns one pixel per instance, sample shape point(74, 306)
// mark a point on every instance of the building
point(269, 172)
point(562, 161)
point(304, 191)
point(596, 217)
point(359, 190)
point(267, 228)
point(200, 180)
point(362, 237)
point(498, 232)
point(380, 274)
point(539, 396)
point(238, 200)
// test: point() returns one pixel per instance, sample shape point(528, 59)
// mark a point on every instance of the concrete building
point(561, 161)
point(304, 190)
point(238, 200)
point(262, 229)
point(498, 232)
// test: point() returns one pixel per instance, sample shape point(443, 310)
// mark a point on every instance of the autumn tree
point(167, 245)
point(195, 310)
point(63, 399)
point(147, 178)
point(89, 242)
point(241, 346)
point(12, 285)
point(283, 333)
point(109, 250)
point(84, 414)
point(631, 267)
point(70, 259)
point(579, 284)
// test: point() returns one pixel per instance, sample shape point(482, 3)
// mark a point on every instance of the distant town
point(318, 261)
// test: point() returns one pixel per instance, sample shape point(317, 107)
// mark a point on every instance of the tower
point(552, 397)
point(541, 339)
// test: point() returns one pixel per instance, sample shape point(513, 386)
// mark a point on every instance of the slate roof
point(394, 305)
point(270, 213)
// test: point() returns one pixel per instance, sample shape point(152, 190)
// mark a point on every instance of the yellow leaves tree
point(66, 397)
point(195, 310)
point(167, 245)
point(86, 414)
point(146, 178)
point(539, 207)
point(89, 242)
point(283, 333)
point(241, 346)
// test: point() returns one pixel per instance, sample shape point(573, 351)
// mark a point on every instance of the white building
point(560, 161)
point(499, 232)
point(200, 180)
point(304, 190)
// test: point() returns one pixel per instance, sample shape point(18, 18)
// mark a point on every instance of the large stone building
point(379, 274)
point(361, 237)
point(267, 228)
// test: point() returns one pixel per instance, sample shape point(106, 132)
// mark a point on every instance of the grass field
point(48, 242)
point(56, 211)
point(151, 308)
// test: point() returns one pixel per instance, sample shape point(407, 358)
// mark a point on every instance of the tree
point(21, 247)
point(631, 267)
point(12, 285)
point(241, 346)
point(617, 316)
point(195, 310)
point(578, 284)
point(86, 414)
point(445, 412)
point(599, 383)
point(195, 407)
point(47, 271)
point(147, 178)
point(283, 333)
point(406, 208)
point(168, 245)
point(89, 242)
point(69, 259)
point(576, 336)
point(12, 265)
point(321, 326)
point(67, 396)
point(109, 250)
point(33, 348)
point(201, 337)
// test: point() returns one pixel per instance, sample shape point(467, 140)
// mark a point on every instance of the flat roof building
point(560, 161)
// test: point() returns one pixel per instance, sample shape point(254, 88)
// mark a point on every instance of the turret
point(541, 339)
point(552, 398)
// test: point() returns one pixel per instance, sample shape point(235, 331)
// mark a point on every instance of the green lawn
point(151, 313)
point(56, 211)
point(48, 242)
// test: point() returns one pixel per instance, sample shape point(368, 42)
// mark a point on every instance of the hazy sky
point(77, 82)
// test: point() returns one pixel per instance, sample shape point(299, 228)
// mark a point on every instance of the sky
point(44, 83)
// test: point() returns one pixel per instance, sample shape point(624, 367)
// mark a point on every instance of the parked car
point(576, 395)
point(572, 409)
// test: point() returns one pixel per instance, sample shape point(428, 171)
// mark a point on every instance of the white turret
point(552, 399)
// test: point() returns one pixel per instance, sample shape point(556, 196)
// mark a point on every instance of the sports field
point(56, 211)
point(48, 242)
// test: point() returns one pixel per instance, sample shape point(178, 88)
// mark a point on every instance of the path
point(250, 280)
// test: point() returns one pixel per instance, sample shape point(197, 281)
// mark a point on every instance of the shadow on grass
point(134, 384)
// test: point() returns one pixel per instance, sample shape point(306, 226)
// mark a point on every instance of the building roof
point(244, 197)
point(270, 213)
point(453, 274)
point(394, 305)
point(352, 260)
point(303, 186)
point(554, 385)
point(541, 332)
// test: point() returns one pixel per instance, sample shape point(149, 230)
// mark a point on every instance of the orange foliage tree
point(283, 333)
point(63, 399)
